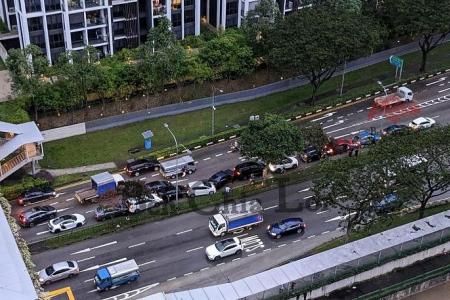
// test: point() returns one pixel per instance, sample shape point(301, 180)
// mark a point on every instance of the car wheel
point(191, 195)
point(211, 192)
point(79, 224)
point(215, 258)
point(301, 231)
point(32, 224)
point(156, 169)
point(53, 216)
point(57, 230)
point(294, 166)
point(173, 176)
point(190, 172)
point(238, 252)
point(71, 275)
point(136, 174)
point(222, 234)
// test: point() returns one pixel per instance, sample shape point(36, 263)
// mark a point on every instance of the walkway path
point(83, 169)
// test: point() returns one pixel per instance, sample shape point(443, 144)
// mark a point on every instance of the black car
point(221, 178)
point(168, 193)
point(310, 154)
point(35, 194)
point(395, 129)
point(37, 214)
point(110, 211)
point(155, 186)
point(286, 226)
point(246, 169)
point(139, 166)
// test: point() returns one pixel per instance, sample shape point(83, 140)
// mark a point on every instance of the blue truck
point(115, 275)
point(236, 217)
point(103, 185)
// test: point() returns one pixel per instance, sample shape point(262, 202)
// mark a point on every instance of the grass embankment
point(113, 144)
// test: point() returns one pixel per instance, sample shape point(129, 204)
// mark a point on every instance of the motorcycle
point(234, 146)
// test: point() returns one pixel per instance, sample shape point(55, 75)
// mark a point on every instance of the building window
point(56, 40)
point(54, 22)
point(176, 19)
point(189, 16)
point(232, 8)
point(188, 2)
point(35, 24)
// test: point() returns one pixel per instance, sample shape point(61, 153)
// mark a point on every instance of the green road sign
point(396, 61)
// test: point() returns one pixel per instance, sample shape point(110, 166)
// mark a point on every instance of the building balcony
point(77, 25)
point(78, 44)
point(95, 22)
point(94, 3)
point(26, 154)
point(98, 42)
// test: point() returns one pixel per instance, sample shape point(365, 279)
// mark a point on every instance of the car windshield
point(70, 264)
point(49, 270)
point(222, 244)
point(213, 223)
point(282, 225)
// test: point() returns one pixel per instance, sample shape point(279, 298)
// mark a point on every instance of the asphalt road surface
point(174, 247)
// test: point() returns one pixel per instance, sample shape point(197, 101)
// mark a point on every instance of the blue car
point(366, 137)
point(389, 203)
point(286, 226)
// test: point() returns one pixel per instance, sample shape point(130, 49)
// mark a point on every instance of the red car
point(338, 146)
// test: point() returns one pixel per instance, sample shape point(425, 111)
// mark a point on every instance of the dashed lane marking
point(265, 250)
point(220, 154)
point(282, 245)
point(270, 207)
point(195, 249)
point(325, 232)
point(105, 264)
point(146, 263)
point(321, 212)
point(182, 232)
point(89, 211)
point(311, 236)
point(304, 190)
point(62, 209)
point(54, 203)
point(296, 241)
point(70, 199)
point(170, 279)
point(251, 254)
point(42, 232)
point(136, 245)
point(85, 259)
point(235, 259)
point(221, 264)
point(208, 158)
point(204, 269)
point(93, 248)
point(154, 175)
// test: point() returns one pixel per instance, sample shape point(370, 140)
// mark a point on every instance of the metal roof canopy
point(102, 177)
point(303, 268)
point(25, 133)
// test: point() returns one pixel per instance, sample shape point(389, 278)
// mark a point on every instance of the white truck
point(402, 95)
point(236, 217)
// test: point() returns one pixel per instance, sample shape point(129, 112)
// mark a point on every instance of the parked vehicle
point(366, 137)
point(234, 146)
point(140, 166)
point(169, 193)
point(200, 188)
point(36, 215)
point(310, 154)
point(155, 186)
point(246, 169)
point(395, 129)
point(422, 123)
point(104, 212)
point(35, 194)
point(286, 226)
point(182, 165)
point(389, 203)
point(337, 146)
point(143, 203)
point(231, 246)
point(116, 275)
point(402, 95)
point(236, 217)
point(221, 178)
point(103, 185)
point(288, 162)
point(66, 222)
point(58, 271)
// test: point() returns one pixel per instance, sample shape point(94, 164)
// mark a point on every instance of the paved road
point(439, 292)
point(175, 247)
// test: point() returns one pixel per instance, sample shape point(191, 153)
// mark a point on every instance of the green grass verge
point(2, 65)
point(112, 145)
point(62, 180)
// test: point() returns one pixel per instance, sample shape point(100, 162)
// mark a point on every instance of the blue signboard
point(396, 61)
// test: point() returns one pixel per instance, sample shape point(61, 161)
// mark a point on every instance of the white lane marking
point(133, 293)
point(221, 264)
point(186, 231)
point(41, 224)
point(325, 232)
point(229, 151)
point(54, 203)
point(154, 175)
point(442, 84)
point(304, 190)
point(307, 197)
point(241, 157)
point(311, 236)
point(251, 254)
point(338, 218)
point(170, 279)
point(360, 111)
point(204, 269)
point(105, 264)
point(435, 117)
point(369, 108)
point(85, 259)
point(190, 250)
point(143, 178)
point(136, 245)
point(282, 245)
point(62, 209)
point(245, 234)
point(146, 263)
point(270, 207)
point(92, 291)
point(437, 81)
point(220, 154)
point(335, 124)
point(59, 194)
point(321, 212)
point(324, 116)
point(235, 259)
point(89, 211)
point(265, 250)
point(96, 247)
point(340, 117)
point(296, 241)
point(350, 114)
point(208, 158)
point(179, 180)
point(42, 232)
point(89, 280)
point(70, 199)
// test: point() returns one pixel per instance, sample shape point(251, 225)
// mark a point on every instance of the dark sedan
point(35, 194)
point(36, 215)
point(395, 129)
point(155, 186)
point(221, 178)
point(140, 166)
point(104, 212)
point(310, 154)
point(168, 193)
point(286, 226)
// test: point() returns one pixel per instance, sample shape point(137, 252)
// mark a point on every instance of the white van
point(170, 168)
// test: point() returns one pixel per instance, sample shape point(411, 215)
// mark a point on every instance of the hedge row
point(11, 191)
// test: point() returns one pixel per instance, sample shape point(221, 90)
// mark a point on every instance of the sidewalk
point(82, 169)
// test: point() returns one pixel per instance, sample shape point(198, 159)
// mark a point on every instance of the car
point(145, 202)
point(337, 146)
point(36, 215)
point(110, 211)
point(286, 226)
point(395, 129)
point(422, 123)
point(35, 194)
point(66, 222)
point(58, 271)
point(310, 154)
point(389, 203)
point(139, 166)
point(246, 169)
point(224, 248)
point(168, 193)
point(200, 188)
point(155, 186)
point(366, 137)
point(221, 178)
point(288, 162)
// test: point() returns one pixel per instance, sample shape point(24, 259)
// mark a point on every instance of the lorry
point(236, 217)
point(103, 185)
point(115, 275)
point(180, 165)
point(402, 95)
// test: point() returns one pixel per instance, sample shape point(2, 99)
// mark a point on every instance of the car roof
point(60, 265)
point(421, 120)
point(288, 220)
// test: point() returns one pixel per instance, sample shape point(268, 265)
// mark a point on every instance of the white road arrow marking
point(103, 265)
point(93, 248)
point(324, 116)
point(339, 218)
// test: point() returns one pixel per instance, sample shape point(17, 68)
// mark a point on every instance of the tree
point(133, 189)
point(270, 138)
point(428, 20)
point(27, 67)
point(313, 135)
point(315, 41)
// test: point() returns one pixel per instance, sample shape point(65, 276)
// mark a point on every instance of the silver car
point(58, 271)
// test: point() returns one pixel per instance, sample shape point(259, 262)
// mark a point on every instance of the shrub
point(12, 112)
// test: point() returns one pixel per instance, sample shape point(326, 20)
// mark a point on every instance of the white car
point(288, 162)
point(66, 222)
point(422, 123)
point(143, 203)
point(224, 248)
point(200, 188)
point(58, 271)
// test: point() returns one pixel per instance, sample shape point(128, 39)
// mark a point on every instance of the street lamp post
point(176, 173)
point(213, 108)
point(384, 106)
